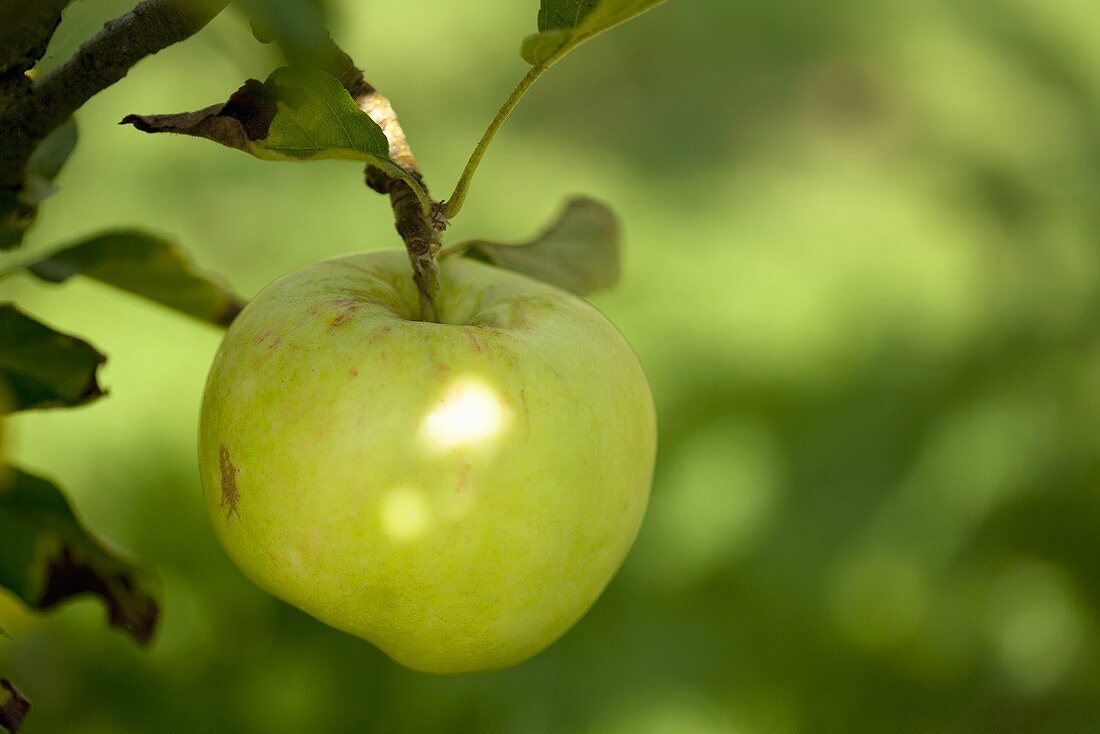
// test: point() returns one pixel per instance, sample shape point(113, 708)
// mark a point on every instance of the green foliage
point(298, 114)
point(47, 160)
point(16, 217)
point(18, 209)
point(579, 251)
point(298, 26)
point(13, 706)
point(47, 557)
point(43, 368)
point(145, 265)
point(565, 24)
point(563, 13)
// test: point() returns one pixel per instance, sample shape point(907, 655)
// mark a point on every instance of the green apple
point(458, 493)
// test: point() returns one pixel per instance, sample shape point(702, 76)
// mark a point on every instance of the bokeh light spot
point(878, 597)
point(1035, 625)
point(714, 503)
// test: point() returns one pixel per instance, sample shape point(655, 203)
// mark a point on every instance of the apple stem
point(419, 221)
point(421, 233)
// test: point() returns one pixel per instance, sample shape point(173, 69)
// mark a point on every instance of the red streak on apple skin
point(348, 308)
point(526, 412)
point(475, 343)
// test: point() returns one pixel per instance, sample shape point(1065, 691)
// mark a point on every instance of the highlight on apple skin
point(457, 493)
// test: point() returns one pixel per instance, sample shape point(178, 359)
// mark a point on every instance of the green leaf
point(539, 47)
point(565, 24)
point(13, 706)
point(19, 209)
point(147, 266)
point(299, 26)
point(48, 158)
point(16, 217)
point(297, 114)
point(563, 13)
point(327, 123)
point(579, 251)
point(43, 368)
point(47, 557)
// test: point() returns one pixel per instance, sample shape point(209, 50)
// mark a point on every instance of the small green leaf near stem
point(579, 251)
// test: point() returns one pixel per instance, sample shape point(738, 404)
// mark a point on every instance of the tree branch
point(420, 233)
point(26, 27)
point(101, 61)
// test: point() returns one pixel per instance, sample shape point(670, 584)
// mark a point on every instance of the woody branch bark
point(103, 60)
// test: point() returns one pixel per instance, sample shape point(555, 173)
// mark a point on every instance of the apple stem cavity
point(421, 233)
point(419, 224)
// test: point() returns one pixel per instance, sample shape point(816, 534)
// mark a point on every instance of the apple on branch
point(458, 493)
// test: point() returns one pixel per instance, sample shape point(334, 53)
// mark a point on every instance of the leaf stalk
point(453, 204)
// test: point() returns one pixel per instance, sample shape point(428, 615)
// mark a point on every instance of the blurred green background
point(862, 271)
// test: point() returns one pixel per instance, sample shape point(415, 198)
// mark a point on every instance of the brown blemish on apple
point(463, 480)
point(353, 372)
point(341, 318)
point(526, 411)
point(230, 494)
point(261, 337)
point(518, 318)
point(275, 343)
point(475, 343)
point(442, 371)
point(348, 308)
